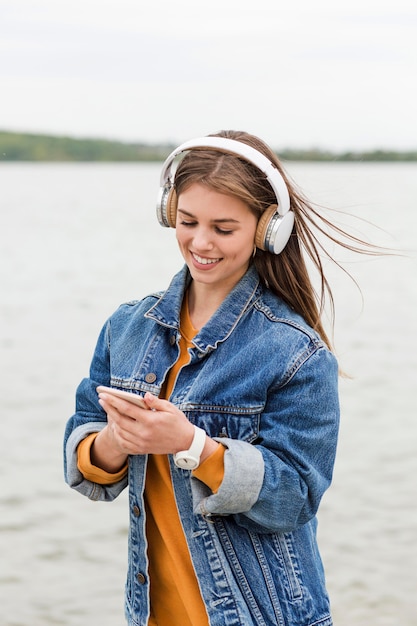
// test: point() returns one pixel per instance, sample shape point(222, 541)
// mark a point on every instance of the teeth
point(204, 260)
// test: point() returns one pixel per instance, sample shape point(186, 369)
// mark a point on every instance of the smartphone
point(125, 395)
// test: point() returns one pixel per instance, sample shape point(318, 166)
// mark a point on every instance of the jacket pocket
point(256, 580)
point(242, 424)
point(284, 550)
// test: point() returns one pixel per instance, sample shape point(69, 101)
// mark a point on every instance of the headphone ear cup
point(262, 227)
point(274, 230)
point(171, 208)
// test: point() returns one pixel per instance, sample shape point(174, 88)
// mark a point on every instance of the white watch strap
point(190, 459)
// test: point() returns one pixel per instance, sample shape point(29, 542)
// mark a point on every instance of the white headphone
point(276, 222)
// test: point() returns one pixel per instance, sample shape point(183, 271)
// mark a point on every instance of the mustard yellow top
point(175, 594)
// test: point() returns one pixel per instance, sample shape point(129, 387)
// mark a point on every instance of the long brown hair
point(285, 274)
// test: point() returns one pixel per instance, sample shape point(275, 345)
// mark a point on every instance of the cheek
point(247, 244)
point(179, 234)
point(183, 240)
point(243, 252)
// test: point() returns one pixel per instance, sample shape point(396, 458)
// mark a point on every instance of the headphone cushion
point(171, 207)
point(263, 224)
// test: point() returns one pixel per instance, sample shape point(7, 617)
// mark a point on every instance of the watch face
point(185, 461)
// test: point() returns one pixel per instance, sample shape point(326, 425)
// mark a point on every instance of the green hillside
point(33, 147)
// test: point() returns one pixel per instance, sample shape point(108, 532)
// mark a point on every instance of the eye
point(187, 223)
point(222, 231)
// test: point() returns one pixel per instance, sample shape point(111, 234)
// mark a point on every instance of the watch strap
point(190, 459)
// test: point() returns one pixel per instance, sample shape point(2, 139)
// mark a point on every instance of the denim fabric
point(263, 383)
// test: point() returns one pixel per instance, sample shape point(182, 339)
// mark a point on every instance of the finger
point(125, 431)
point(156, 403)
point(123, 407)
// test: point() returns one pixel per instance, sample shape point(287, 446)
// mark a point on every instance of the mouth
point(204, 260)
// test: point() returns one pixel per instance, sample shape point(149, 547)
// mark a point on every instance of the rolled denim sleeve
point(74, 477)
point(232, 496)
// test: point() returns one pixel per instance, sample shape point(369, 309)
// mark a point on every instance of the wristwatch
point(190, 459)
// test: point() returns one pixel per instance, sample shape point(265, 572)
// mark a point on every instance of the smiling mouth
point(204, 260)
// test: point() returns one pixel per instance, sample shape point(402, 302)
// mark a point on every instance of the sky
point(329, 74)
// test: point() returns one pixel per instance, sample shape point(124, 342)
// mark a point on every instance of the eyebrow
point(224, 220)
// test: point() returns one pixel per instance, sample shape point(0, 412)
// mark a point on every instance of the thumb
point(155, 403)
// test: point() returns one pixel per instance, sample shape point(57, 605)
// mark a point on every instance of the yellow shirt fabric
point(174, 590)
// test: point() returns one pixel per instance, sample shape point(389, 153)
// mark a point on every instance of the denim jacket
point(262, 382)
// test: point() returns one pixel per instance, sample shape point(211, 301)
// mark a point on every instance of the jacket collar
point(167, 309)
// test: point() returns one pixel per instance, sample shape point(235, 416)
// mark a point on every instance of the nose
point(202, 239)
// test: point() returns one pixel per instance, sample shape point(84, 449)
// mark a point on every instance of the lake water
point(76, 240)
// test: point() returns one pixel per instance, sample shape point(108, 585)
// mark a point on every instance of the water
point(75, 241)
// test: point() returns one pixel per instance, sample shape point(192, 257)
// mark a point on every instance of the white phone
point(125, 395)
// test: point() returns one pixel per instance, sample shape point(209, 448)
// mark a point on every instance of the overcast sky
point(338, 74)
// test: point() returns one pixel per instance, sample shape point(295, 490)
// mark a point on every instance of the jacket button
point(172, 340)
point(150, 378)
point(136, 511)
point(141, 578)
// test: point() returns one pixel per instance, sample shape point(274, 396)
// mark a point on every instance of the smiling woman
point(227, 471)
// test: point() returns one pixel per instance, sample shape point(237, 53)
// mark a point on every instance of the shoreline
point(15, 147)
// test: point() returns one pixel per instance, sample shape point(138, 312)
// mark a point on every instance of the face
point(216, 234)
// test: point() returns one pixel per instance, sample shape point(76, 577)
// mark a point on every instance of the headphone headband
point(238, 148)
point(276, 222)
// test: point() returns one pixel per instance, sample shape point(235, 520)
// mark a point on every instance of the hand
point(133, 430)
point(161, 429)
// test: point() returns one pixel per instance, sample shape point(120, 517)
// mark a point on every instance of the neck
point(203, 302)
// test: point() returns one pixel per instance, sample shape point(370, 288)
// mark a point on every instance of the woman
point(227, 461)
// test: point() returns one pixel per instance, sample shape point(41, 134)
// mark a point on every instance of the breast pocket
point(236, 423)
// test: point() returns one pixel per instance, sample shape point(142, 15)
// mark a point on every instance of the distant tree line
point(348, 156)
point(33, 147)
